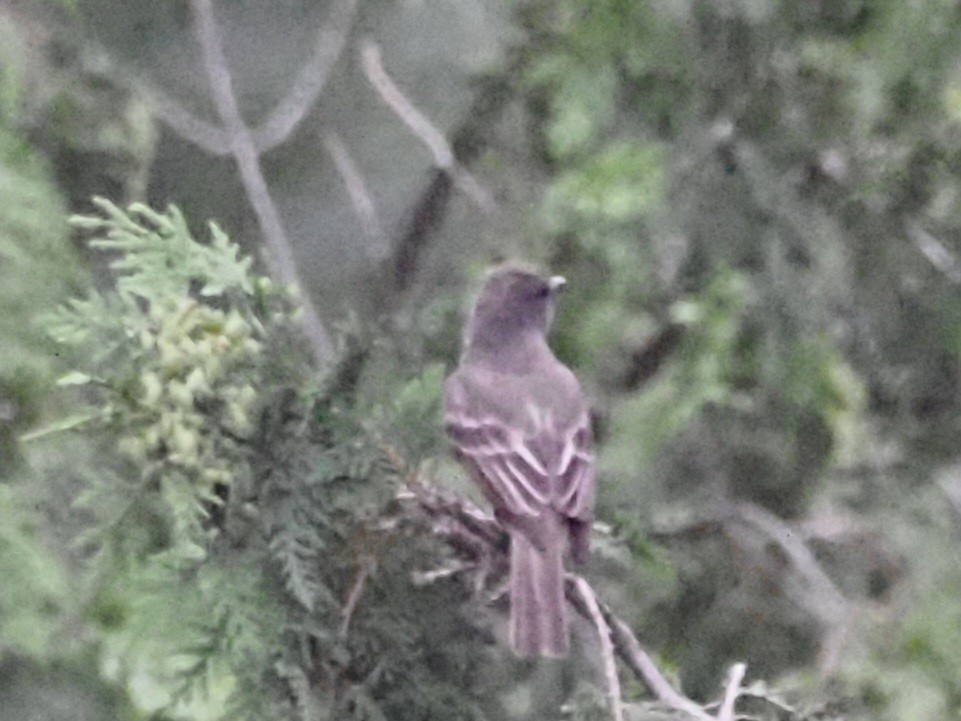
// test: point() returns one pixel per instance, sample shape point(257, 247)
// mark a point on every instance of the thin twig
point(420, 126)
point(353, 598)
point(607, 647)
point(279, 255)
point(360, 198)
point(310, 83)
point(731, 691)
point(437, 503)
point(637, 659)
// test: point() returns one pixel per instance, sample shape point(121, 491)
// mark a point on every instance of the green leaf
point(74, 378)
point(65, 424)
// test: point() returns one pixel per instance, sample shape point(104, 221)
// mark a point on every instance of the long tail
point(538, 622)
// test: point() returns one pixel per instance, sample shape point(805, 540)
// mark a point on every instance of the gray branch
point(206, 136)
point(421, 127)
point(583, 589)
point(279, 255)
point(310, 83)
point(360, 198)
point(442, 504)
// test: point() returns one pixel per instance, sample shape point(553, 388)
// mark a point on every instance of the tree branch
point(353, 598)
point(731, 691)
point(279, 255)
point(360, 198)
point(813, 590)
point(310, 83)
point(427, 212)
point(420, 126)
point(206, 136)
point(806, 583)
point(437, 503)
point(935, 252)
point(586, 593)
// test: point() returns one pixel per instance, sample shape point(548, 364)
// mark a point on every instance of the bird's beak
point(557, 283)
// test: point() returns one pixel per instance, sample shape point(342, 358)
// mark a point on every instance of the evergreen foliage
point(248, 535)
point(776, 185)
point(757, 205)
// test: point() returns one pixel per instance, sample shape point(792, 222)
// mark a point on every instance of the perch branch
point(436, 503)
point(587, 596)
point(280, 256)
point(310, 83)
point(637, 659)
point(421, 127)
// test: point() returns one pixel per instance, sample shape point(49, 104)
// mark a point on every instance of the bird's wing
point(531, 449)
point(574, 484)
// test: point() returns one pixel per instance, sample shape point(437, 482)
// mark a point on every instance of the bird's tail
point(538, 620)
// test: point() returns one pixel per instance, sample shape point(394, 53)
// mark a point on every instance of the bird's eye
point(542, 292)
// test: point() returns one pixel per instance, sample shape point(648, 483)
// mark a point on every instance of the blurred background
point(757, 206)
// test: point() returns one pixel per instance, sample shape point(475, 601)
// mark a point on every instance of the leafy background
point(756, 207)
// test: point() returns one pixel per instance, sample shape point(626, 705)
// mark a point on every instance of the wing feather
point(528, 462)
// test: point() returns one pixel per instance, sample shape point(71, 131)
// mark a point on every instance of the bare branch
point(731, 691)
point(437, 503)
point(420, 126)
point(279, 255)
point(644, 668)
point(360, 198)
point(206, 136)
point(586, 593)
point(310, 83)
point(353, 598)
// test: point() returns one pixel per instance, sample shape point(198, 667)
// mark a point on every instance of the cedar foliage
point(244, 520)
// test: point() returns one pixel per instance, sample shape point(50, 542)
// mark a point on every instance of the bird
point(520, 424)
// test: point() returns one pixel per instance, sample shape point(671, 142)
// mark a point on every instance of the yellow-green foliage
point(240, 495)
point(169, 373)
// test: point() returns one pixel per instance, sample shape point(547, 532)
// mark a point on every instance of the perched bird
point(520, 424)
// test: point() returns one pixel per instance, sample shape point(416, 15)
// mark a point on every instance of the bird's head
point(516, 300)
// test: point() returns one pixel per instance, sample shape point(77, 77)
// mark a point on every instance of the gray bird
point(520, 424)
